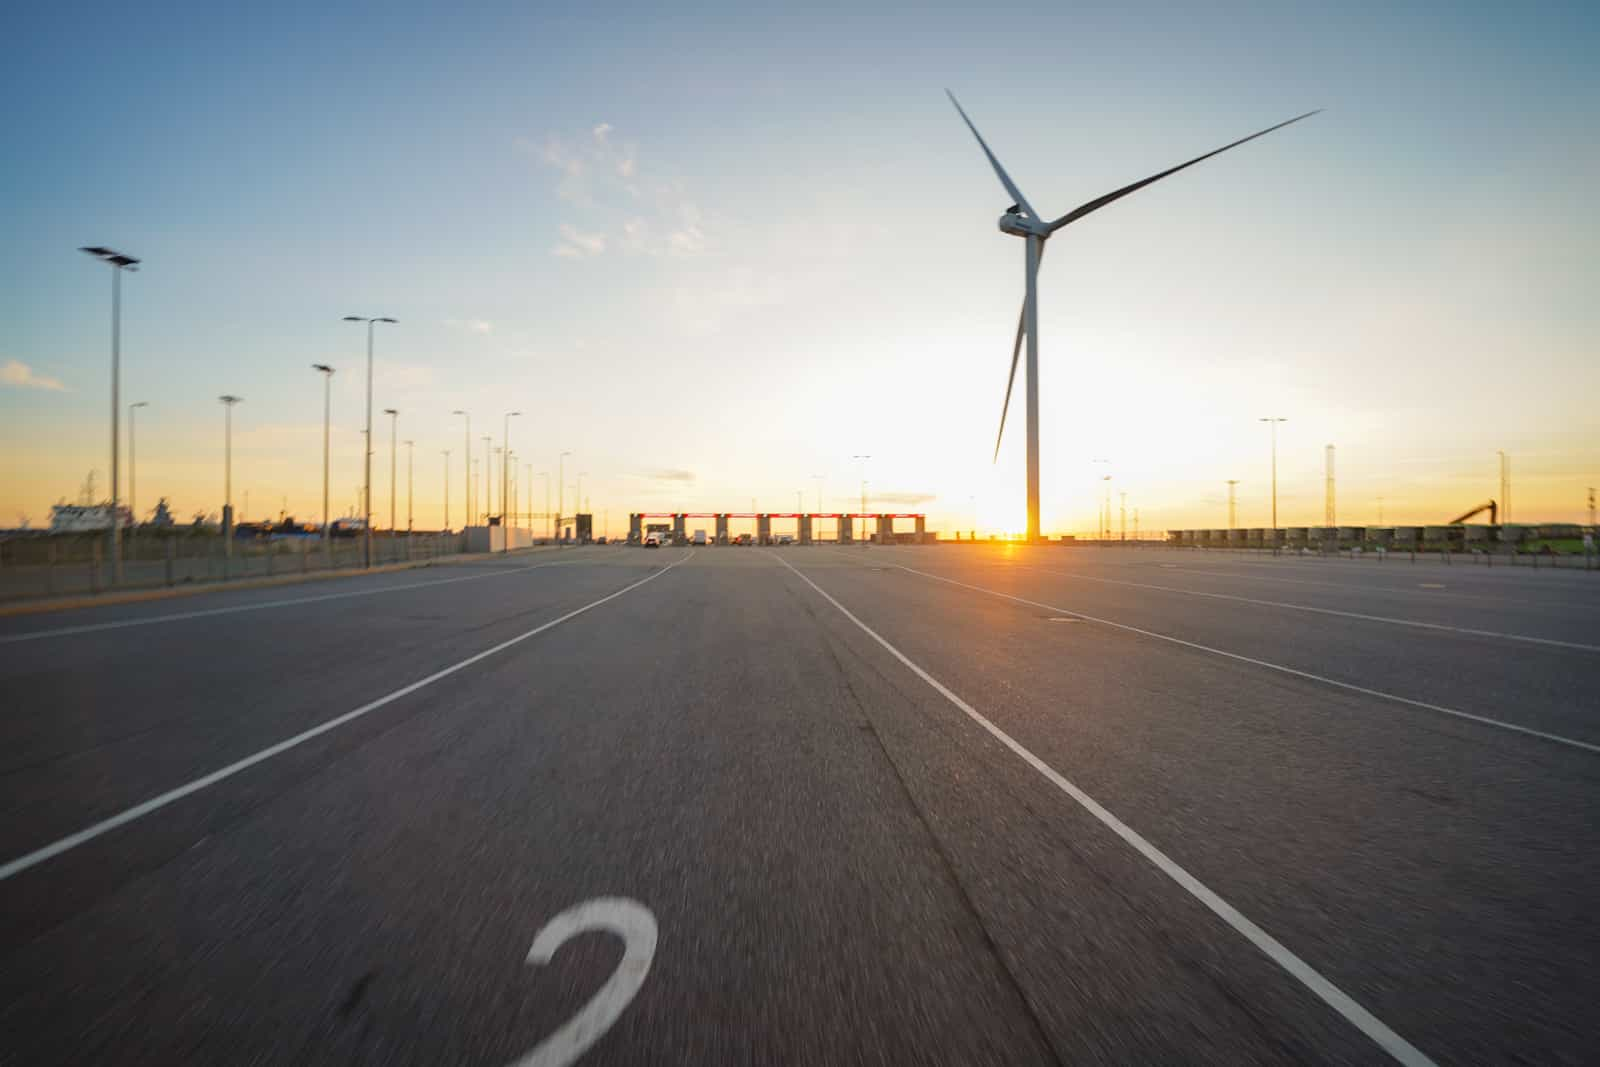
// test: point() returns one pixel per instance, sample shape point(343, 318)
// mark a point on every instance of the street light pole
point(1105, 506)
point(466, 464)
point(1232, 521)
point(488, 479)
point(505, 480)
point(1505, 487)
point(411, 455)
point(561, 490)
point(394, 423)
point(227, 472)
point(133, 425)
point(366, 481)
point(818, 479)
point(548, 518)
point(1102, 520)
point(1124, 515)
point(327, 411)
point(118, 263)
point(863, 460)
point(446, 454)
point(1273, 420)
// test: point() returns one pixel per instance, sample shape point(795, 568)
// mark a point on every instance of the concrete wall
point(493, 538)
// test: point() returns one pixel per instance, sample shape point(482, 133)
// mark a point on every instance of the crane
point(1490, 506)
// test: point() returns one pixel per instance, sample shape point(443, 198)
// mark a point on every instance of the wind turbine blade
point(1000, 172)
point(1016, 350)
point(1011, 379)
point(1095, 205)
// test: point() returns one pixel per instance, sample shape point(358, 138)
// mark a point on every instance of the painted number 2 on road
point(633, 923)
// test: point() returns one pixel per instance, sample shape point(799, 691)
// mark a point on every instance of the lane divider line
point(156, 803)
point(1323, 611)
point(1483, 720)
point(1374, 1028)
point(119, 624)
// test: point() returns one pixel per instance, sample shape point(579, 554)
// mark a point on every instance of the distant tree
point(162, 516)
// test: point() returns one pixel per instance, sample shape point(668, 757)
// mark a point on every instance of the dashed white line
point(1359, 1017)
point(139, 811)
point(1440, 709)
point(151, 620)
point(1325, 611)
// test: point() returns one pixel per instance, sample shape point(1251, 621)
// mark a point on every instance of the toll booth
point(885, 529)
point(805, 529)
point(846, 529)
point(678, 534)
point(585, 529)
point(635, 528)
point(763, 529)
point(922, 529)
point(722, 528)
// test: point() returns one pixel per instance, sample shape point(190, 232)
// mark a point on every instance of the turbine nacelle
point(1019, 225)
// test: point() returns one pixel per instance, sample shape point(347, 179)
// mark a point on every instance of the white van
point(699, 537)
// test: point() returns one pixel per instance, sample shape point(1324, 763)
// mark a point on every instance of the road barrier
point(36, 566)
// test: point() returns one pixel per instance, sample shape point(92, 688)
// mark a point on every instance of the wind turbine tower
point(1021, 220)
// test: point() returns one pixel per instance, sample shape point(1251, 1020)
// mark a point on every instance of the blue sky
point(714, 251)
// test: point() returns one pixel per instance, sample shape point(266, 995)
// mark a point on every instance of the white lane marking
point(1326, 611)
point(150, 620)
point(1330, 994)
point(156, 803)
point(1440, 709)
point(1397, 590)
point(636, 926)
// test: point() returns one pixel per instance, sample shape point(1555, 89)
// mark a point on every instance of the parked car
point(784, 539)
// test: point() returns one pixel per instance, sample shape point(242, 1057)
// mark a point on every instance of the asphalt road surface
point(810, 805)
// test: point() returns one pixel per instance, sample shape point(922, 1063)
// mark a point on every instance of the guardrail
point(49, 565)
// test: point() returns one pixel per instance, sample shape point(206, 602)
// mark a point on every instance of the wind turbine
point(1020, 220)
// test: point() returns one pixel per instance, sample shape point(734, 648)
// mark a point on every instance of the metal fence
point(33, 566)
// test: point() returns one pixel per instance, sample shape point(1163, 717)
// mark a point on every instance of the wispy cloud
point(905, 498)
point(577, 244)
point(688, 237)
point(671, 475)
point(19, 375)
point(478, 326)
point(598, 171)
